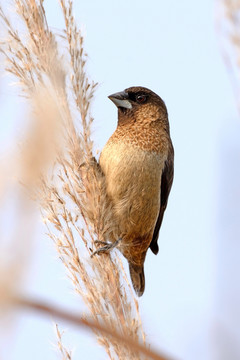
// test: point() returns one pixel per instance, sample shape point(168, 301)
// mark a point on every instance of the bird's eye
point(141, 98)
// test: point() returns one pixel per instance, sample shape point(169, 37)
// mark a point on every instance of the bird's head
point(139, 104)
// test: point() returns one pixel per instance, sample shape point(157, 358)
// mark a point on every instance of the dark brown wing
point(166, 184)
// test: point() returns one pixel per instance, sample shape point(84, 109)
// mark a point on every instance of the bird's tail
point(138, 278)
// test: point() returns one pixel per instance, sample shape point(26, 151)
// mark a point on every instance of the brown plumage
point(138, 164)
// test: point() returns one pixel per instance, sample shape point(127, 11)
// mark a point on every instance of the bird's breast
point(133, 177)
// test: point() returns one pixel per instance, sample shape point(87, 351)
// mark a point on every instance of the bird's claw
point(106, 248)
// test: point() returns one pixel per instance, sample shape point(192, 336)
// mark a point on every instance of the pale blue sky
point(170, 47)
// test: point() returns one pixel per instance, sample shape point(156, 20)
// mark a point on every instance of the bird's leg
point(106, 248)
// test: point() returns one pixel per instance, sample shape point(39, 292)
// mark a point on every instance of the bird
point(138, 164)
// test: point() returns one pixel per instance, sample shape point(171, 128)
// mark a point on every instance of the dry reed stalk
point(65, 354)
point(87, 323)
point(15, 246)
point(64, 176)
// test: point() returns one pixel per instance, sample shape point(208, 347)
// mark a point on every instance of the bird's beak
point(121, 99)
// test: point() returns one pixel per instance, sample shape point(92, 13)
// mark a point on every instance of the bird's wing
point(166, 184)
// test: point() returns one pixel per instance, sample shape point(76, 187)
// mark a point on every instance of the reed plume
point(59, 169)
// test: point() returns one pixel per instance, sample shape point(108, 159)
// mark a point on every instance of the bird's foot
point(106, 248)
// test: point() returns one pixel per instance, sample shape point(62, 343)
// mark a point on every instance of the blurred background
point(185, 52)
